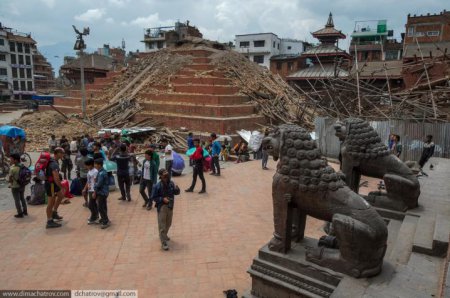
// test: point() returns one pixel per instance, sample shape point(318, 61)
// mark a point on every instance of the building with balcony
point(16, 64)
point(261, 47)
point(376, 53)
point(162, 37)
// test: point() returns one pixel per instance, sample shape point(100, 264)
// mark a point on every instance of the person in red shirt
point(197, 161)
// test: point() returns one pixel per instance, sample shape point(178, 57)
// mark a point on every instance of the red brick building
point(284, 65)
point(427, 42)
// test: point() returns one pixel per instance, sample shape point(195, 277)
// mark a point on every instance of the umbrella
point(192, 150)
point(12, 131)
point(178, 163)
point(109, 166)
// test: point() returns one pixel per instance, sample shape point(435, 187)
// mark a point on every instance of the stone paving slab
point(214, 239)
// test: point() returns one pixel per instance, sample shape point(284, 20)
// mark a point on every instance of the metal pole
point(83, 90)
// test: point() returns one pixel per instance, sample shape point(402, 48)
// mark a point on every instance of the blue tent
point(12, 131)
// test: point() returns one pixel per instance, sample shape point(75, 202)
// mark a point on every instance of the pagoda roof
point(329, 30)
point(318, 72)
point(324, 50)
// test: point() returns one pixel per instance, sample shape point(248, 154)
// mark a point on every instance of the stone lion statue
point(363, 153)
point(305, 181)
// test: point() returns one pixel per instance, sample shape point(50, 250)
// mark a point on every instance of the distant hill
point(55, 53)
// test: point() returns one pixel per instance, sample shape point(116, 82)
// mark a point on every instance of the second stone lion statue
point(363, 154)
point(305, 181)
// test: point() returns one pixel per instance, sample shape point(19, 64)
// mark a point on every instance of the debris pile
point(40, 126)
point(277, 100)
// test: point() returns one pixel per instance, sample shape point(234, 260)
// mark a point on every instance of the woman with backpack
point(17, 181)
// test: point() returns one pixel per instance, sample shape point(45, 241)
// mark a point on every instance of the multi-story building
point(261, 47)
point(426, 42)
point(376, 53)
point(162, 37)
point(44, 76)
point(374, 41)
point(18, 55)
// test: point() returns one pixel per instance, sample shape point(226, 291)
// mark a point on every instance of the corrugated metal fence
point(411, 134)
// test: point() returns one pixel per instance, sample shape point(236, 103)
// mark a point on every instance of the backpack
point(76, 187)
point(40, 169)
point(24, 176)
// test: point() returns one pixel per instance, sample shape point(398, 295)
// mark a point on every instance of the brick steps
point(199, 110)
point(206, 89)
point(201, 60)
point(195, 53)
point(193, 73)
point(200, 67)
point(183, 80)
point(205, 99)
point(227, 125)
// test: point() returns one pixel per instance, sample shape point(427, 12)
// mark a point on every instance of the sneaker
point(218, 175)
point(189, 190)
point(164, 245)
point(51, 224)
point(105, 225)
point(145, 205)
point(212, 173)
point(202, 191)
point(149, 207)
point(93, 221)
point(55, 216)
point(25, 213)
point(121, 199)
point(20, 215)
point(129, 199)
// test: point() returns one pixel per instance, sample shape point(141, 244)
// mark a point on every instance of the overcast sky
point(49, 21)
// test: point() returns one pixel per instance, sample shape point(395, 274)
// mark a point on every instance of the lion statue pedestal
point(304, 181)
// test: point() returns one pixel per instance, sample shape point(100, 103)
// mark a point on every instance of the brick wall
point(438, 22)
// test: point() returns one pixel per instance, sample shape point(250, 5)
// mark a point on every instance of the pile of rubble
point(39, 126)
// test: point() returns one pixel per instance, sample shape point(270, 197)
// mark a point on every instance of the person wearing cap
point(164, 196)
point(54, 189)
point(197, 160)
point(215, 152)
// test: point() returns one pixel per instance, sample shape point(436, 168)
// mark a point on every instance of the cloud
point(49, 3)
point(109, 20)
point(118, 3)
point(151, 20)
point(91, 15)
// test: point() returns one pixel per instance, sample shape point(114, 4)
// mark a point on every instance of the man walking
point(54, 189)
point(428, 151)
point(168, 156)
point(123, 173)
point(89, 190)
point(164, 196)
point(18, 190)
point(83, 171)
point(216, 148)
point(197, 160)
point(148, 178)
point(101, 192)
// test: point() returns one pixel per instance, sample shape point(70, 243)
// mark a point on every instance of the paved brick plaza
point(214, 238)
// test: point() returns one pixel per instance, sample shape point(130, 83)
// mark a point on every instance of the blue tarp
point(178, 163)
point(12, 131)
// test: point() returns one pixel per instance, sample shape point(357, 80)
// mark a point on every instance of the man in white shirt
point(52, 143)
point(89, 188)
point(74, 145)
point(168, 156)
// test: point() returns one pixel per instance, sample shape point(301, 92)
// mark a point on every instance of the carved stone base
point(290, 275)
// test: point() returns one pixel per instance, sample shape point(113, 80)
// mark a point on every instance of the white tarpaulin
point(253, 138)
